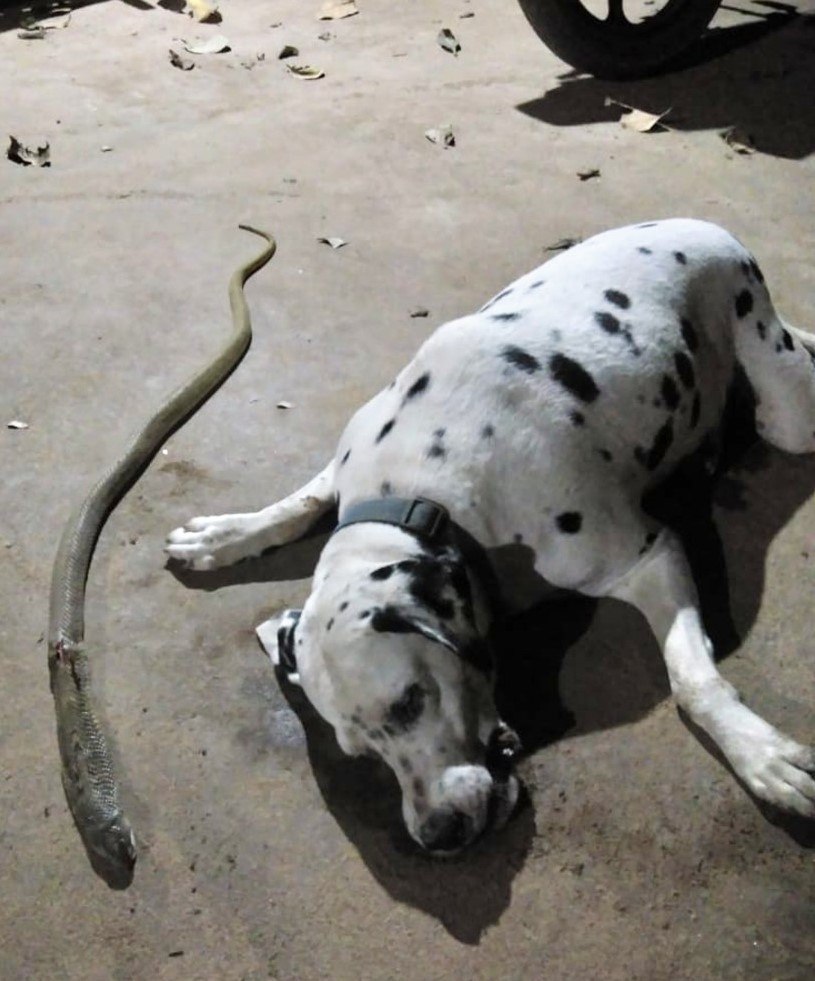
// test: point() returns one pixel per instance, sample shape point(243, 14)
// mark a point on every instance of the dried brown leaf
point(337, 10)
point(447, 40)
point(179, 61)
point(308, 72)
point(27, 156)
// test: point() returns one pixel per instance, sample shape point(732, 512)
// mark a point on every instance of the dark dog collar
point(431, 524)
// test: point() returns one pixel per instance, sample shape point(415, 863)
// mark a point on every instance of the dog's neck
point(356, 551)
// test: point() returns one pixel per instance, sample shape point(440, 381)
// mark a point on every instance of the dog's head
point(391, 656)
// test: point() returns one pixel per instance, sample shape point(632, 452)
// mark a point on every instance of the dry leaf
point(179, 61)
point(562, 244)
point(213, 45)
point(335, 243)
point(587, 175)
point(447, 40)
point(34, 33)
point(285, 405)
point(307, 72)
point(737, 139)
point(442, 135)
point(337, 10)
point(420, 312)
point(106, 148)
point(637, 119)
point(288, 51)
point(203, 11)
point(469, 13)
point(39, 156)
point(16, 424)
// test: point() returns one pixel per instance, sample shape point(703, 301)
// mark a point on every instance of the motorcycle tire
point(615, 48)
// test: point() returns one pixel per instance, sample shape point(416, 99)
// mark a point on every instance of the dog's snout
point(446, 830)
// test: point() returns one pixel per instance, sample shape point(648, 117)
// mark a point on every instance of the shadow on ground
point(755, 488)
point(756, 76)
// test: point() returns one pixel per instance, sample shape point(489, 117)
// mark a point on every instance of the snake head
point(111, 848)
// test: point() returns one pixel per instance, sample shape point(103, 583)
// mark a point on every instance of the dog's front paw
point(781, 772)
point(212, 542)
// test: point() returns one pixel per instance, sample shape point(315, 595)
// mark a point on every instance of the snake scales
point(87, 770)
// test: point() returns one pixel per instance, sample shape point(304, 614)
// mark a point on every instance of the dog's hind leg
point(779, 362)
point(775, 768)
point(219, 540)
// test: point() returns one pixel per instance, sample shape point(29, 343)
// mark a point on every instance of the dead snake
point(87, 770)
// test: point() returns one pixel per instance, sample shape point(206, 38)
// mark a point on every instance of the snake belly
point(88, 777)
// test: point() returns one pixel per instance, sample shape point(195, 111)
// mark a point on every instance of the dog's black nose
point(446, 830)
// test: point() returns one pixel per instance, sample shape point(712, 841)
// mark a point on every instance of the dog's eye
point(407, 709)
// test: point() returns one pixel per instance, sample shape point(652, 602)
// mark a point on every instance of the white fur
point(516, 447)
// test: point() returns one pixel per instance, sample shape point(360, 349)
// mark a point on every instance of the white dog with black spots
point(538, 422)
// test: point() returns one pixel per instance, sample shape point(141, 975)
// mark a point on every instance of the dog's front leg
point(219, 540)
point(775, 768)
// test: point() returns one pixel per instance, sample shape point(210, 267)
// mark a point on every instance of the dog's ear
point(413, 619)
point(277, 639)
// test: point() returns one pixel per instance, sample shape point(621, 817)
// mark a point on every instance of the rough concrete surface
point(264, 853)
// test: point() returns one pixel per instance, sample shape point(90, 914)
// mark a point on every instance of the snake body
point(87, 770)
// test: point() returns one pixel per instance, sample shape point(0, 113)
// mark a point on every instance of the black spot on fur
point(505, 317)
point(407, 710)
point(520, 359)
point(644, 250)
point(762, 330)
point(756, 271)
point(681, 258)
point(487, 432)
point(689, 335)
point(695, 410)
point(650, 538)
point(364, 614)
point(744, 303)
point(651, 458)
point(405, 765)
point(495, 299)
point(436, 451)
point(684, 368)
point(619, 299)
point(573, 377)
point(343, 605)
point(670, 393)
point(344, 460)
point(570, 522)
point(385, 489)
point(419, 386)
point(648, 224)
point(578, 418)
point(609, 323)
point(787, 338)
point(439, 433)
point(606, 455)
point(418, 787)
point(383, 432)
point(383, 572)
point(330, 624)
point(536, 285)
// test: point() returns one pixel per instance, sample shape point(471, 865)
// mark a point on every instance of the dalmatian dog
point(533, 427)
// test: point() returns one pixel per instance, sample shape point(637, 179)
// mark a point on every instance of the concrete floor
point(264, 854)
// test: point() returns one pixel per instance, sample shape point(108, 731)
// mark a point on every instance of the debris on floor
point(448, 41)
point(738, 140)
point(180, 61)
point(639, 120)
point(587, 175)
point(337, 10)
point(217, 44)
point(37, 156)
point(307, 72)
point(443, 135)
point(335, 243)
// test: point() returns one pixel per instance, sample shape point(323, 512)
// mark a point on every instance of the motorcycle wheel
point(615, 47)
